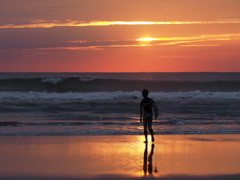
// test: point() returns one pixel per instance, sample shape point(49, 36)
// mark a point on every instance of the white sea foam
point(126, 96)
point(87, 79)
point(52, 80)
point(55, 81)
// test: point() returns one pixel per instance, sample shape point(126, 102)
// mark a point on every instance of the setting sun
point(147, 39)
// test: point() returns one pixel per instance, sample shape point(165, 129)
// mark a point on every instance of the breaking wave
point(92, 84)
point(119, 95)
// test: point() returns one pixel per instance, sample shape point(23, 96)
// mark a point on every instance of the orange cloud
point(70, 23)
point(188, 41)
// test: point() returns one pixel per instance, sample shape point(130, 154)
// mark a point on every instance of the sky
point(120, 36)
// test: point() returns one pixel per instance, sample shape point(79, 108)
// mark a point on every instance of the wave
point(127, 127)
point(115, 96)
point(117, 123)
point(92, 84)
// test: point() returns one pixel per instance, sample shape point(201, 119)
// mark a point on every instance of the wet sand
point(120, 157)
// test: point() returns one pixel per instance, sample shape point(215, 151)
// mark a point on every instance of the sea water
point(108, 103)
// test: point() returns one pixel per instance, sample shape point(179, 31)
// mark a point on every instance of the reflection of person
point(147, 161)
point(147, 108)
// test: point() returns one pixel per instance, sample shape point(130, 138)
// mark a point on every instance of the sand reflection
point(121, 155)
point(148, 161)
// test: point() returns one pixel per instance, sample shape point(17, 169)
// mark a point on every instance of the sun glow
point(147, 39)
point(72, 23)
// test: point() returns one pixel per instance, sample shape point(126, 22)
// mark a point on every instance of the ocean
point(39, 104)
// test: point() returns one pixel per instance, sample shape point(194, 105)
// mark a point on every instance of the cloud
point(191, 41)
point(71, 23)
point(201, 45)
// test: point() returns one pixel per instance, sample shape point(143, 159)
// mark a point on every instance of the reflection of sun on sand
point(94, 156)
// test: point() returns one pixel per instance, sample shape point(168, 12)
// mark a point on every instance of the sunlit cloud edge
point(191, 41)
point(71, 23)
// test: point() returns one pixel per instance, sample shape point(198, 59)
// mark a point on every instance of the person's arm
point(155, 110)
point(141, 112)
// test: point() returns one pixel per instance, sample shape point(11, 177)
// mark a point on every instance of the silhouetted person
point(148, 109)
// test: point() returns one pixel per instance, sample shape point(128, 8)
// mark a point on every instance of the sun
point(147, 39)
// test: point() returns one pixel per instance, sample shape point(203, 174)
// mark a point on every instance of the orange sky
point(120, 36)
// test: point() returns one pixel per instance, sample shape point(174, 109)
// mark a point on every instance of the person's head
point(145, 93)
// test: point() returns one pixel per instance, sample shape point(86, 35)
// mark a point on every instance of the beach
point(120, 157)
point(86, 126)
point(83, 82)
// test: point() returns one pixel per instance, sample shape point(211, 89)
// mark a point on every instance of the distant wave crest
point(93, 84)
point(116, 96)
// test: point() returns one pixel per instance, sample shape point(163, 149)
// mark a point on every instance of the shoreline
point(120, 156)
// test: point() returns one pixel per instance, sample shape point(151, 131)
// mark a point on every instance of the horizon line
point(131, 72)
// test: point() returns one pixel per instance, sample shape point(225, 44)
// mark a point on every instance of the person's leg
point(145, 124)
point(146, 134)
point(150, 128)
point(152, 135)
